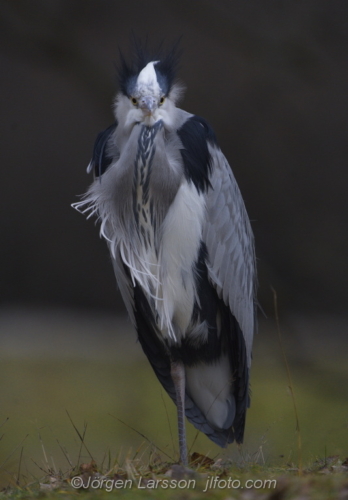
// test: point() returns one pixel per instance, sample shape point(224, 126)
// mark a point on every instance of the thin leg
point(177, 372)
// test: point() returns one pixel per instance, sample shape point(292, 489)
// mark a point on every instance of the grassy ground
point(204, 478)
point(59, 363)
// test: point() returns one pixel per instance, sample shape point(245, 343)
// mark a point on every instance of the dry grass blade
point(109, 459)
point(13, 452)
point(194, 441)
point(65, 454)
point(142, 435)
point(4, 422)
point(82, 442)
point(44, 451)
point(291, 386)
point(46, 472)
point(19, 466)
point(82, 438)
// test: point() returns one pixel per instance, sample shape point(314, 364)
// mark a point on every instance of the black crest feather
point(141, 55)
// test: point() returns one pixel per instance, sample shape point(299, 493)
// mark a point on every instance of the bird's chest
point(167, 256)
point(144, 189)
point(153, 187)
point(164, 236)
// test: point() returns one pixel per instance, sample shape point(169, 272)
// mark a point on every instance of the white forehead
point(147, 79)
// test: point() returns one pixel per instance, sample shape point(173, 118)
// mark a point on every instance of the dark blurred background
point(271, 78)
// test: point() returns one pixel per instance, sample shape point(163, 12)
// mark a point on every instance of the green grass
point(158, 480)
point(37, 394)
point(117, 385)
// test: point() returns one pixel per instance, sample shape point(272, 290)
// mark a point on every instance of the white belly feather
point(180, 242)
point(167, 276)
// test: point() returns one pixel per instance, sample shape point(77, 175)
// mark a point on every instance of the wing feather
point(230, 244)
point(101, 157)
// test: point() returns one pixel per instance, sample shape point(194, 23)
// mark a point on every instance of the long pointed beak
point(148, 104)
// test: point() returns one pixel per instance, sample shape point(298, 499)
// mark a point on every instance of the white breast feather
point(167, 276)
point(180, 242)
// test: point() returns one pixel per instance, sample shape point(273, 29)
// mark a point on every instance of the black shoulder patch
point(195, 134)
point(100, 160)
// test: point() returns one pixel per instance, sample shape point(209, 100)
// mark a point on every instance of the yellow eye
point(134, 101)
point(162, 100)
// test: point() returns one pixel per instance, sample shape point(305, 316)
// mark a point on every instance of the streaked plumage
point(181, 245)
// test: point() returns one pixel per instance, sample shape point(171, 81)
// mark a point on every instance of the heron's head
point(148, 92)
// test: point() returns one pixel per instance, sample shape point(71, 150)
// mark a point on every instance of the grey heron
point(181, 244)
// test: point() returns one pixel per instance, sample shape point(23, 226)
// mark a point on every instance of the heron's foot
point(177, 471)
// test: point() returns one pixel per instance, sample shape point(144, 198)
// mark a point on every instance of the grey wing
point(230, 244)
